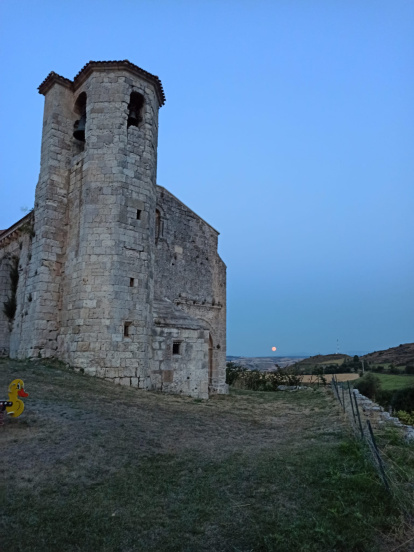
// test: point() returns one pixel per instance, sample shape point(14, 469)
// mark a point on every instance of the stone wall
point(189, 272)
point(15, 244)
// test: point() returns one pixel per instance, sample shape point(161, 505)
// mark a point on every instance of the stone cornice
point(14, 229)
point(92, 66)
point(196, 303)
point(51, 79)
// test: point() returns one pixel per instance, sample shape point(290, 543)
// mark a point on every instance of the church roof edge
point(160, 188)
point(15, 227)
point(101, 66)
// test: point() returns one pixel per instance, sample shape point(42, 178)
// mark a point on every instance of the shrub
point(291, 376)
point(406, 417)
point(273, 379)
point(409, 369)
point(378, 368)
point(233, 371)
point(254, 380)
point(261, 381)
point(369, 385)
point(320, 376)
point(384, 397)
point(403, 399)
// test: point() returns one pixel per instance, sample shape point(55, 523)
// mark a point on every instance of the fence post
point(352, 404)
point(337, 390)
point(378, 456)
point(359, 417)
point(334, 386)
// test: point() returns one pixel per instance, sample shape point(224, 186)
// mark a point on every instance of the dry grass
point(93, 466)
point(340, 377)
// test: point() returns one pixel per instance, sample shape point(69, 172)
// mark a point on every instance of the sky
point(288, 126)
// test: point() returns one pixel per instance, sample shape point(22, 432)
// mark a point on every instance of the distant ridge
point(337, 358)
point(264, 363)
point(400, 356)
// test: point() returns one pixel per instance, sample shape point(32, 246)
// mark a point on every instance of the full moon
point(273, 348)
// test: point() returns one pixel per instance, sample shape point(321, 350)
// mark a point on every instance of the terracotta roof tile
point(101, 65)
point(51, 79)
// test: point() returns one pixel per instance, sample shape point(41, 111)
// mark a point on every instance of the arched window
point(80, 109)
point(136, 103)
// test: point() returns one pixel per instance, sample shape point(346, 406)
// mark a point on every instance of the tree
point(369, 385)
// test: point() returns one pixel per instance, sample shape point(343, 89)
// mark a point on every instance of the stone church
point(110, 272)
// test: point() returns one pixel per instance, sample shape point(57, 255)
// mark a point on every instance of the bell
point(79, 132)
point(134, 119)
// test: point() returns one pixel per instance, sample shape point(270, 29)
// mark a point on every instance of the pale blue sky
point(289, 126)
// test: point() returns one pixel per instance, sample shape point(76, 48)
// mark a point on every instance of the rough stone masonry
point(115, 275)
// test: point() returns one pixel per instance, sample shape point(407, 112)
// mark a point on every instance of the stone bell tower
point(92, 268)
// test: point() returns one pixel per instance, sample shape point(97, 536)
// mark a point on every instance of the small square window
point(139, 214)
point(176, 347)
point(127, 326)
point(131, 282)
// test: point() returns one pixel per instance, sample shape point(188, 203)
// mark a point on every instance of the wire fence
point(387, 458)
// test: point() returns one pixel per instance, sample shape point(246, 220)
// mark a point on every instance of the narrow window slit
point(127, 325)
point(131, 282)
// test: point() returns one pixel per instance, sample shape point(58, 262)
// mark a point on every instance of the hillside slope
point(322, 360)
point(399, 356)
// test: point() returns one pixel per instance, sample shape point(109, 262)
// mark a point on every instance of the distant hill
point(323, 359)
point(263, 363)
point(399, 356)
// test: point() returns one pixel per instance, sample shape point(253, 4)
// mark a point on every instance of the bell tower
point(95, 218)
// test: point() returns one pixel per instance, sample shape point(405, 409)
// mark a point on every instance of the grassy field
point(386, 366)
point(394, 382)
point(338, 362)
point(340, 377)
point(90, 466)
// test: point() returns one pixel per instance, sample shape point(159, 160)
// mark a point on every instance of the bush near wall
point(369, 386)
point(254, 380)
point(400, 400)
point(403, 399)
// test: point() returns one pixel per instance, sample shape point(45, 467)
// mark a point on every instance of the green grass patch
point(331, 501)
point(391, 382)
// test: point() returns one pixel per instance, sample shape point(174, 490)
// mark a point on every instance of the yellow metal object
point(16, 390)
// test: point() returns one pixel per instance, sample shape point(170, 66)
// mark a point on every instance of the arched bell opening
point(80, 124)
point(135, 107)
